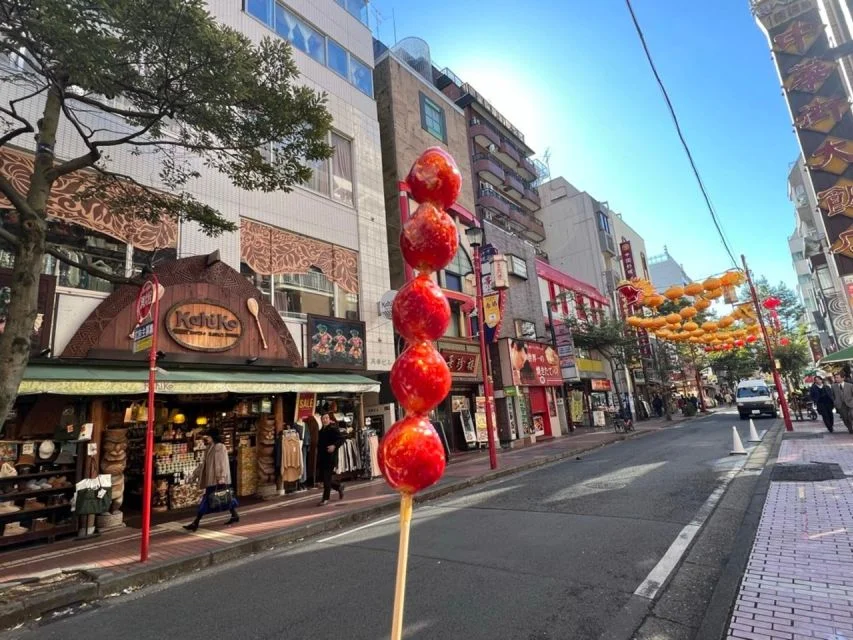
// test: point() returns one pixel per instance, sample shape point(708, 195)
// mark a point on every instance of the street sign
point(145, 302)
point(143, 336)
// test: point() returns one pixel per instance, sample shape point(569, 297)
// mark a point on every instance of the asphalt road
point(550, 554)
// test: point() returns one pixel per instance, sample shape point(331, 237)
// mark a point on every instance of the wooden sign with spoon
point(253, 309)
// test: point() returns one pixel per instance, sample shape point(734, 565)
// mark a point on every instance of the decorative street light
point(475, 239)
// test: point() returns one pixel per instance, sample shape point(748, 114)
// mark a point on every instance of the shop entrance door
point(539, 409)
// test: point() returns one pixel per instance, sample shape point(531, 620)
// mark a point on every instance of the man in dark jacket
point(328, 442)
point(822, 397)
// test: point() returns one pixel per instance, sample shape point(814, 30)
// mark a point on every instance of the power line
point(681, 135)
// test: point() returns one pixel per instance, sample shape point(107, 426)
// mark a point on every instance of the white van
point(754, 398)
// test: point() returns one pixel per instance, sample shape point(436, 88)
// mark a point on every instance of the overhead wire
point(681, 137)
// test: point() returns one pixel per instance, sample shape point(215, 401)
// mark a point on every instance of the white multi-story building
point(339, 215)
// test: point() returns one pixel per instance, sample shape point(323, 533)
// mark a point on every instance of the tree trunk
point(29, 255)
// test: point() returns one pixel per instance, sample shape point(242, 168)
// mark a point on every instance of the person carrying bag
point(214, 474)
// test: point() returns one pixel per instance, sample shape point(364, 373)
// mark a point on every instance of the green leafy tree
point(154, 77)
point(791, 311)
point(734, 365)
point(610, 337)
point(793, 358)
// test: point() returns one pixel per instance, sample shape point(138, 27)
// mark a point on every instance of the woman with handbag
point(214, 474)
point(329, 441)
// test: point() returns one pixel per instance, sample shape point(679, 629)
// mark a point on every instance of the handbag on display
point(7, 470)
point(131, 414)
point(221, 499)
point(91, 497)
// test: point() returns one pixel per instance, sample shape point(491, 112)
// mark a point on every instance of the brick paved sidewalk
point(799, 580)
point(118, 552)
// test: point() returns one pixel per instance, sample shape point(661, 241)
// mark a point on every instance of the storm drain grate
point(814, 472)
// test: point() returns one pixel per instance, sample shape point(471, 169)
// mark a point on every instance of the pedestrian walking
point(821, 395)
point(214, 474)
point(842, 393)
point(657, 404)
point(728, 398)
point(328, 443)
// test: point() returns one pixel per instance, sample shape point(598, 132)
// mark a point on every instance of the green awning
point(87, 380)
point(839, 356)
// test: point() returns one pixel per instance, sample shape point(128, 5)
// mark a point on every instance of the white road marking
point(361, 528)
point(658, 576)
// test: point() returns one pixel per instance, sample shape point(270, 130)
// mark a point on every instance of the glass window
point(432, 118)
point(319, 180)
point(361, 76)
point(342, 169)
point(461, 263)
point(356, 8)
point(452, 281)
point(603, 222)
point(453, 329)
point(284, 23)
point(261, 9)
point(338, 59)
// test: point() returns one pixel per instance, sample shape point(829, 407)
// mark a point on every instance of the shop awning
point(85, 380)
point(839, 356)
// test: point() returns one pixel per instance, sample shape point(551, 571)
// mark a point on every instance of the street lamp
point(475, 239)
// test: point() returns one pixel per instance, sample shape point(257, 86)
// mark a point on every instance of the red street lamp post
point(475, 239)
point(783, 401)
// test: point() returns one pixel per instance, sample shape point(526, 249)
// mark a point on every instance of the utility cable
point(681, 135)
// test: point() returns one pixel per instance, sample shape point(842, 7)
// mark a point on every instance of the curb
point(106, 583)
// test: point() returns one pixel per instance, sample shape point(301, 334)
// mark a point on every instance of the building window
point(516, 266)
point(312, 42)
point(525, 329)
point(356, 8)
point(361, 76)
point(342, 169)
point(338, 59)
point(295, 295)
point(454, 328)
point(432, 118)
point(332, 177)
point(603, 222)
point(452, 278)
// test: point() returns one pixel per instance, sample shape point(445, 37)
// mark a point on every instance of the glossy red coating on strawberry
point(411, 456)
point(429, 239)
point(420, 378)
point(420, 310)
point(434, 177)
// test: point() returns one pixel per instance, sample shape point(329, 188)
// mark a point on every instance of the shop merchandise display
point(36, 484)
point(411, 455)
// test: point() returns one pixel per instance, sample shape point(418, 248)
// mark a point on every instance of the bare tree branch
point(14, 133)
point(75, 164)
point(143, 115)
point(15, 197)
point(92, 271)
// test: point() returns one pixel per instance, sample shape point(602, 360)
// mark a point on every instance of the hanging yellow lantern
point(690, 326)
point(694, 289)
point(709, 326)
point(654, 301)
point(673, 318)
point(712, 283)
point(725, 321)
point(674, 293)
point(688, 312)
point(701, 304)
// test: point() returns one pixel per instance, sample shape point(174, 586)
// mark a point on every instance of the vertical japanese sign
point(821, 111)
point(630, 273)
point(493, 299)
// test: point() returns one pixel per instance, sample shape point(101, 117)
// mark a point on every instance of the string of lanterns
point(735, 330)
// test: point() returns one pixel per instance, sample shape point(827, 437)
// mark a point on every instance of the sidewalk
point(799, 580)
point(110, 563)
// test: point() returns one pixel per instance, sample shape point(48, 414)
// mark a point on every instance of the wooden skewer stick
point(402, 563)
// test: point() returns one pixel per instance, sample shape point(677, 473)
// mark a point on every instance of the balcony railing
point(487, 162)
point(492, 199)
point(311, 281)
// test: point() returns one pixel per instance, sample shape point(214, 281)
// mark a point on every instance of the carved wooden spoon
point(253, 309)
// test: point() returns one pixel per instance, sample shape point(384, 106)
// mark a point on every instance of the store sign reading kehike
point(821, 111)
point(203, 326)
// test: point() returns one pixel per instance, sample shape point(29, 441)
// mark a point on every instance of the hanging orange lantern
point(654, 301)
point(673, 318)
point(725, 321)
point(658, 322)
point(753, 330)
point(740, 333)
point(693, 289)
point(690, 326)
point(712, 283)
point(709, 326)
point(634, 321)
point(701, 304)
point(731, 278)
point(674, 293)
point(688, 312)
point(698, 332)
point(662, 333)
point(714, 293)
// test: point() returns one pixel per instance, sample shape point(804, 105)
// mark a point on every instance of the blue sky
point(572, 76)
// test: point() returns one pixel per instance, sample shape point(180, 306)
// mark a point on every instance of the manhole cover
point(814, 472)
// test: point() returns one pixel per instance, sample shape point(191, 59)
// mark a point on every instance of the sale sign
point(305, 403)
